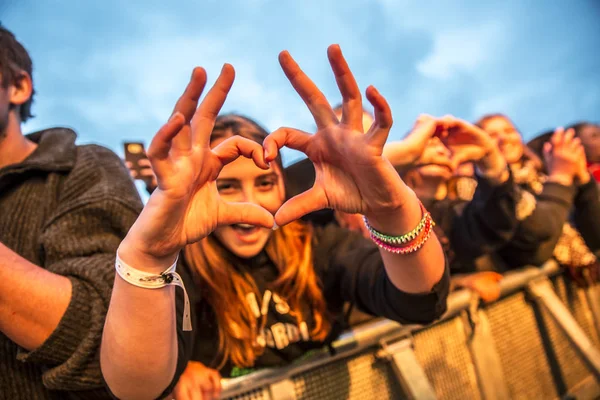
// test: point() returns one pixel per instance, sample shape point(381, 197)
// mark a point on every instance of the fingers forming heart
point(340, 150)
point(304, 203)
point(466, 141)
point(245, 213)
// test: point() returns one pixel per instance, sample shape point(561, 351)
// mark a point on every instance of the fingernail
point(275, 226)
point(174, 116)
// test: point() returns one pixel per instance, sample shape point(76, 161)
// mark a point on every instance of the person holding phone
point(223, 209)
point(138, 164)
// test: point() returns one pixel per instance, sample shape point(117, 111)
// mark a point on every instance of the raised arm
point(55, 311)
point(352, 175)
point(539, 231)
point(489, 221)
point(410, 152)
point(587, 206)
point(139, 355)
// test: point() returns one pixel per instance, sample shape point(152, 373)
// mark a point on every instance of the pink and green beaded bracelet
point(398, 244)
point(410, 248)
point(403, 239)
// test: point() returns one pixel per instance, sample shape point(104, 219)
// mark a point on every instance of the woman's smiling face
point(243, 181)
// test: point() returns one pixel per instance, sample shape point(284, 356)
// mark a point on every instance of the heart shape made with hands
point(466, 142)
point(339, 182)
point(352, 176)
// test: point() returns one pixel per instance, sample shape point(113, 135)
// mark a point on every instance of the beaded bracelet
point(407, 237)
point(410, 248)
point(394, 244)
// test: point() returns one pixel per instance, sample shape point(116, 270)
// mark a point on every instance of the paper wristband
point(153, 281)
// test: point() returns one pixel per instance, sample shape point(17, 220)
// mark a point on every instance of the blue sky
point(112, 70)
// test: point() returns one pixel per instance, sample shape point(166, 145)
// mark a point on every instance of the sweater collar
point(56, 152)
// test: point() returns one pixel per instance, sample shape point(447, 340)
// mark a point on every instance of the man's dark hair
point(579, 126)
point(14, 59)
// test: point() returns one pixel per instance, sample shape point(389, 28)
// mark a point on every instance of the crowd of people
point(236, 263)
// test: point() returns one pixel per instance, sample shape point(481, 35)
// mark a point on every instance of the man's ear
point(20, 90)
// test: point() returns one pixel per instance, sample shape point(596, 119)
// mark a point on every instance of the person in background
point(547, 200)
point(589, 134)
point(462, 184)
point(270, 295)
point(470, 230)
point(64, 210)
point(144, 173)
point(402, 155)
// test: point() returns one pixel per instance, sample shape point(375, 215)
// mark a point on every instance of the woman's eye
point(266, 185)
point(225, 188)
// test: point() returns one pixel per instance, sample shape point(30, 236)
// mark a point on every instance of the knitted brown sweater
point(66, 209)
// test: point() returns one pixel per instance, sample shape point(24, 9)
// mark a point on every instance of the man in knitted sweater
point(63, 212)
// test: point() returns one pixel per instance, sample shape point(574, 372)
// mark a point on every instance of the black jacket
point(472, 231)
point(349, 268)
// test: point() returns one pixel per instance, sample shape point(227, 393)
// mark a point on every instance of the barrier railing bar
point(586, 389)
point(348, 344)
point(545, 296)
point(514, 281)
point(371, 333)
point(486, 360)
point(593, 299)
point(407, 370)
point(282, 390)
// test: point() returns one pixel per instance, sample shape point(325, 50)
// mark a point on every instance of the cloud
point(516, 97)
point(145, 77)
point(461, 50)
point(114, 69)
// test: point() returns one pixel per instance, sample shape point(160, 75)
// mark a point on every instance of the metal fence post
point(486, 360)
point(542, 293)
point(593, 298)
point(407, 369)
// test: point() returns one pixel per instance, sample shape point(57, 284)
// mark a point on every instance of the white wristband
point(153, 281)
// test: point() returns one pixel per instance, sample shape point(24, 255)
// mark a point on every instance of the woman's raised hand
point(186, 205)
point(411, 151)
point(469, 143)
point(564, 156)
point(351, 174)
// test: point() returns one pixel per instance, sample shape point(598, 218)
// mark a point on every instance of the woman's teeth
point(244, 228)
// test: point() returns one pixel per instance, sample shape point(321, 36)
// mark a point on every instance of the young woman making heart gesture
point(263, 297)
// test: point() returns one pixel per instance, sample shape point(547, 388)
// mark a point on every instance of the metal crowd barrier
point(540, 340)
